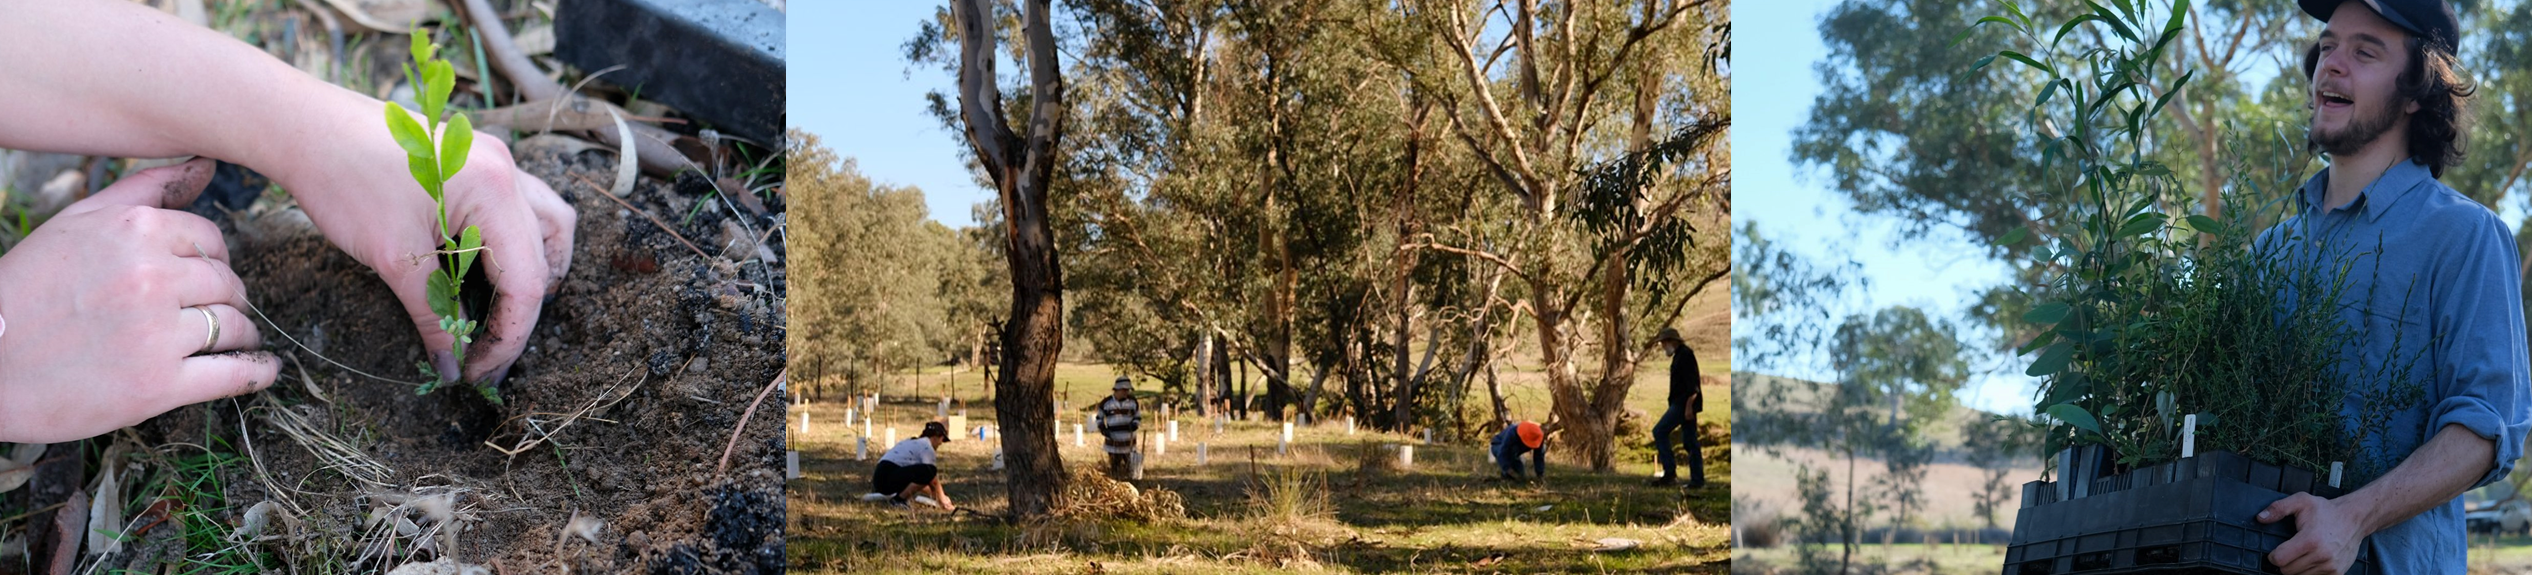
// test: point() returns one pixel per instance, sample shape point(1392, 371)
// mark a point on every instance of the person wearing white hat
point(1119, 416)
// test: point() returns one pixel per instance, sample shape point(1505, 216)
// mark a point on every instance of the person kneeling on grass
point(1516, 439)
point(911, 469)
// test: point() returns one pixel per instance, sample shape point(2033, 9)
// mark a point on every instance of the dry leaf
point(1610, 544)
point(632, 160)
point(390, 16)
point(535, 40)
point(585, 527)
point(105, 516)
point(14, 475)
point(68, 523)
point(252, 526)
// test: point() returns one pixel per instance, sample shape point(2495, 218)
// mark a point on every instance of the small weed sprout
point(434, 152)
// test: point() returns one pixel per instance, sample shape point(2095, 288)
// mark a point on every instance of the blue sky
point(850, 85)
point(1938, 274)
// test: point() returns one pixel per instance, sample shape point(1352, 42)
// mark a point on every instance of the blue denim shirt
point(2425, 261)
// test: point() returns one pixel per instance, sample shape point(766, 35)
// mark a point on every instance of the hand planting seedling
point(435, 151)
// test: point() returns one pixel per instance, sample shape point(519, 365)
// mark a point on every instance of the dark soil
point(700, 337)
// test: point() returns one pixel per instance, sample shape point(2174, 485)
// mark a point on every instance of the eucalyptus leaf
point(2076, 416)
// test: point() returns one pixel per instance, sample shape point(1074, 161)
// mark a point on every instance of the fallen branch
point(724, 468)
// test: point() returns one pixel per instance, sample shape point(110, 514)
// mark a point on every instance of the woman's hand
point(364, 201)
point(101, 303)
point(176, 89)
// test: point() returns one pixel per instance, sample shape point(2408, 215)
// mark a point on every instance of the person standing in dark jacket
point(1686, 400)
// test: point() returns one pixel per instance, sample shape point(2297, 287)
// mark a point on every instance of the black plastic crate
point(2195, 515)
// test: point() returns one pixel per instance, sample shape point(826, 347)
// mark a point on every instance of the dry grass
point(1246, 509)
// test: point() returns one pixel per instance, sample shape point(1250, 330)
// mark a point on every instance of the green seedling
point(435, 151)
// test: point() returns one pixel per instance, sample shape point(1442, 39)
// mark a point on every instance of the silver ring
point(212, 338)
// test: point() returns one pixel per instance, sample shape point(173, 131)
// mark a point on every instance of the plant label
point(2189, 436)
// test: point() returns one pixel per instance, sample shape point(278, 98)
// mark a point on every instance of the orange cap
point(1530, 434)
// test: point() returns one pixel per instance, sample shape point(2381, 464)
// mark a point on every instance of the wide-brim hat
point(1530, 434)
point(1669, 334)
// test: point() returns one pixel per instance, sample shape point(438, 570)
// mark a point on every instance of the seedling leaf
point(468, 246)
point(455, 142)
point(409, 133)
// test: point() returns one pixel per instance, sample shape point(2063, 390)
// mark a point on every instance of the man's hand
point(2328, 535)
point(103, 330)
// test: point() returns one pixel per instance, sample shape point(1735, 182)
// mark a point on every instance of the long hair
point(2434, 79)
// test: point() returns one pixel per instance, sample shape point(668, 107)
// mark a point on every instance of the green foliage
point(2146, 317)
point(434, 153)
point(891, 289)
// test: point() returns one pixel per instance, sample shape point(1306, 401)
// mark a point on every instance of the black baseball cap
point(2430, 19)
point(934, 429)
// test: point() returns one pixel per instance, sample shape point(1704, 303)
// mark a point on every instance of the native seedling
point(435, 151)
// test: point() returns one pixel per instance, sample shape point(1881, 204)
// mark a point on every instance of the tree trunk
point(1503, 415)
point(1020, 169)
point(1204, 376)
point(1585, 432)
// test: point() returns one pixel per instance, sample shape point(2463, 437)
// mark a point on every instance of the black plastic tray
point(2195, 515)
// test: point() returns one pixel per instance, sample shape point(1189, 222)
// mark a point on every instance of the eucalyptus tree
point(1571, 76)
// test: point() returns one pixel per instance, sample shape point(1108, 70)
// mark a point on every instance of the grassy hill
point(1766, 473)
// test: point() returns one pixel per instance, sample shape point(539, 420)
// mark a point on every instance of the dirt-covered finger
point(170, 187)
point(519, 277)
point(558, 220)
point(208, 377)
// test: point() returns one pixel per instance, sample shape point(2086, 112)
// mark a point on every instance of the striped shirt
point(1118, 418)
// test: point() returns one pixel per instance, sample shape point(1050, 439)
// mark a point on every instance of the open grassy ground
point(1950, 485)
point(2509, 554)
point(1444, 513)
point(1939, 559)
